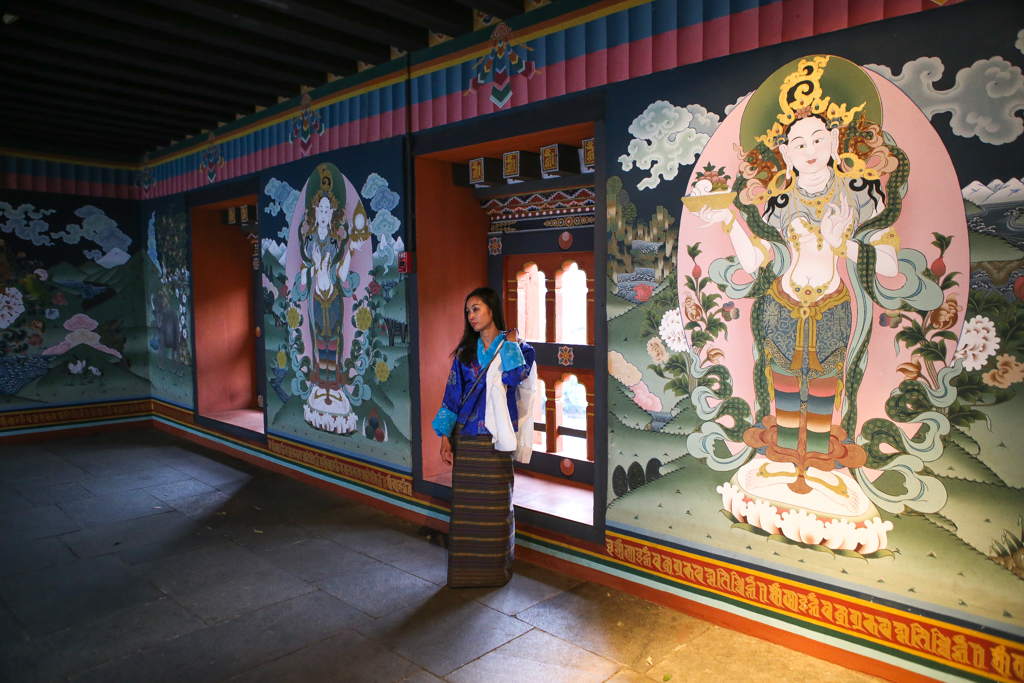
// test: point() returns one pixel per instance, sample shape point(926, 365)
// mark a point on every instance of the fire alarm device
point(404, 262)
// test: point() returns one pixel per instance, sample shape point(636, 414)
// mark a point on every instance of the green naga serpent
point(819, 190)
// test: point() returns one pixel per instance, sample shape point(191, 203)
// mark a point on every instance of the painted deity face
point(810, 146)
point(324, 212)
point(478, 314)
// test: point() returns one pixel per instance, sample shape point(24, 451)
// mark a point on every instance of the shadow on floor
point(136, 556)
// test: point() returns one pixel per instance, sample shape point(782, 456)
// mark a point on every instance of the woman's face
point(478, 314)
point(323, 216)
point(810, 145)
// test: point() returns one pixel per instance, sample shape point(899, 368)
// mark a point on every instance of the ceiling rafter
point(142, 108)
point(257, 23)
point(114, 79)
point(443, 16)
point(31, 111)
point(347, 17)
point(112, 70)
point(183, 68)
point(99, 85)
point(504, 9)
point(126, 34)
point(163, 22)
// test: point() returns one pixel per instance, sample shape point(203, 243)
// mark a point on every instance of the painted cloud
point(666, 137)
point(984, 100)
point(25, 222)
point(80, 331)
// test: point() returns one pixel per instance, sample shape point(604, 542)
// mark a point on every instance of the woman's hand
point(446, 450)
point(711, 216)
point(510, 335)
point(835, 221)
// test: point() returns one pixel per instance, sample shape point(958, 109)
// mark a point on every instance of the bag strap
point(483, 372)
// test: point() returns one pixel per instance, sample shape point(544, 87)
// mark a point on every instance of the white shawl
point(496, 414)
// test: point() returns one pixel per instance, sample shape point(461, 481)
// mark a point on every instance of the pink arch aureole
point(933, 204)
point(362, 263)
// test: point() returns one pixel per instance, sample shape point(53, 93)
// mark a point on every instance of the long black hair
point(466, 350)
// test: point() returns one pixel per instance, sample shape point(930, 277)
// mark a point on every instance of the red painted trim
point(724, 619)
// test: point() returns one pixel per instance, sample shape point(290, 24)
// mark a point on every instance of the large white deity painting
point(820, 245)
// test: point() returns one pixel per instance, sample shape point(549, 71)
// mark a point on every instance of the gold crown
point(326, 181)
point(800, 96)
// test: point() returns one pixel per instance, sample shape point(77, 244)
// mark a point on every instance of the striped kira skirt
point(481, 536)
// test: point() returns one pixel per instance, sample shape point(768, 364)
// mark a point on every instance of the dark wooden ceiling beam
point(442, 16)
point(66, 111)
point(36, 90)
point(47, 128)
point(100, 85)
point(182, 68)
point(257, 22)
point(74, 146)
point(41, 98)
point(505, 9)
point(126, 34)
point(174, 22)
point(113, 72)
point(351, 18)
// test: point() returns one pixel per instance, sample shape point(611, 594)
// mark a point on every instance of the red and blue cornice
point(565, 47)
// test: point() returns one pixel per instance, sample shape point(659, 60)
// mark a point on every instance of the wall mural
point(71, 322)
point(167, 305)
point(816, 360)
point(337, 335)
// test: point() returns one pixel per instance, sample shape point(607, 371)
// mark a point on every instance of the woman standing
point(478, 432)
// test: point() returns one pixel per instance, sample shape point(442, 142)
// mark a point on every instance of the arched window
point(540, 405)
point(531, 288)
point(572, 427)
point(571, 304)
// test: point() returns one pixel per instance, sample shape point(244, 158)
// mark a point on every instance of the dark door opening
point(228, 339)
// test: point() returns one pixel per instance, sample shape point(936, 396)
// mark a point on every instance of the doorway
point(531, 240)
point(228, 338)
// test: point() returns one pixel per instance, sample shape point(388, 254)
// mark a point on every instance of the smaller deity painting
point(814, 231)
point(329, 281)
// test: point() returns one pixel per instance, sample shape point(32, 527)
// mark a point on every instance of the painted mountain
point(996, 192)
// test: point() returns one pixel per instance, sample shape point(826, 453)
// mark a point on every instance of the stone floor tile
point(57, 493)
point(203, 507)
point(529, 586)
point(56, 598)
point(116, 507)
point(536, 656)
point(236, 646)
point(12, 634)
point(33, 523)
point(222, 581)
point(712, 658)
point(18, 558)
point(11, 500)
point(99, 641)
point(378, 589)
point(169, 527)
point(420, 558)
point(212, 472)
point(105, 462)
point(444, 633)
point(346, 658)
point(186, 488)
point(615, 625)
point(141, 479)
point(316, 559)
point(629, 676)
point(423, 677)
point(41, 468)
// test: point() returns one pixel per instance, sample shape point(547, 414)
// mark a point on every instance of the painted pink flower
point(643, 292)
point(59, 299)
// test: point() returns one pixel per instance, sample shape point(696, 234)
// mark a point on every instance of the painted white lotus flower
point(672, 331)
point(764, 516)
point(978, 343)
point(802, 526)
point(11, 306)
